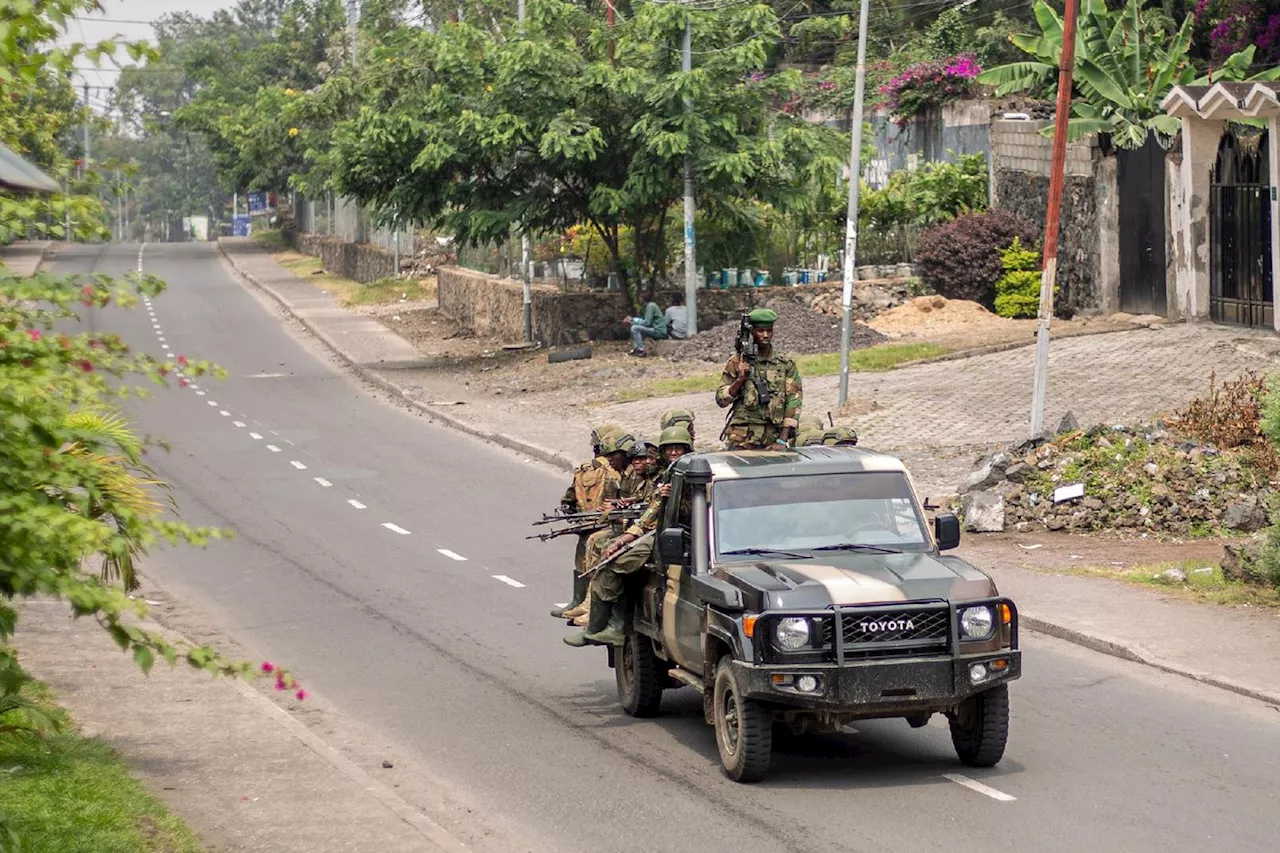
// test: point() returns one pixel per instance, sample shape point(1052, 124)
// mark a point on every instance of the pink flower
point(302, 695)
point(182, 359)
point(268, 666)
point(86, 366)
point(35, 334)
point(182, 383)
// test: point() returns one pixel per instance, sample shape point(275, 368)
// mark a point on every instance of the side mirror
point(946, 530)
point(671, 546)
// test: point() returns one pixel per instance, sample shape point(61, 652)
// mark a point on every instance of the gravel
point(799, 331)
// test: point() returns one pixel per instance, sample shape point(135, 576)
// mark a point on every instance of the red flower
point(182, 359)
point(182, 383)
point(86, 366)
point(34, 333)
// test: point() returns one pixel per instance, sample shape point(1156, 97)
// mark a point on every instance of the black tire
point(980, 727)
point(568, 355)
point(744, 730)
point(640, 677)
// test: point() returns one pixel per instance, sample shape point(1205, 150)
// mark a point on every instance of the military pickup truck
point(805, 588)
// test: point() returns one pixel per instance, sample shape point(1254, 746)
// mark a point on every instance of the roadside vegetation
point(1193, 580)
point(865, 360)
point(350, 293)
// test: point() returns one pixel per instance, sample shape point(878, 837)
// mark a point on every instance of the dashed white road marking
point(296, 464)
point(355, 503)
point(140, 248)
point(239, 423)
point(452, 555)
point(273, 448)
point(225, 413)
point(199, 393)
point(395, 528)
point(322, 481)
point(255, 436)
point(164, 346)
point(975, 785)
point(265, 376)
point(508, 581)
point(161, 338)
point(213, 403)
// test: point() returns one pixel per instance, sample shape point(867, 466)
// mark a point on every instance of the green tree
point(480, 134)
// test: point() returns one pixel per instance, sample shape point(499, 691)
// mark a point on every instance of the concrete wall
point(1189, 218)
point(356, 261)
point(1088, 241)
point(493, 306)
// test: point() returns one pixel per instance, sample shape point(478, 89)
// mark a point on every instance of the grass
point(870, 359)
point(351, 293)
point(69, 792)
point(271, 238)
point(1210, 587)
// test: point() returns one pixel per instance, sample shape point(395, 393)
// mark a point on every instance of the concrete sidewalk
point(1233, 648)
point(23, 257)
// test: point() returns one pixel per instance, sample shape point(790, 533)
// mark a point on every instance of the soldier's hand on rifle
point(618, 544)
point(744, 367)
point(665, 490)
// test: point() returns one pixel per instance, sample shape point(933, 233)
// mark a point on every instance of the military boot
point(579, 598)
point(600, 614)
point(614, 632)
point(582, 616)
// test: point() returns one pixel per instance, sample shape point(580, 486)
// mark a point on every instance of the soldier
point(808, 436)
point(677, 417)
point(764, 391)
point(607, 622)
point(638, 485)
point(811, 422)
point(841, 436)
point(594, 483)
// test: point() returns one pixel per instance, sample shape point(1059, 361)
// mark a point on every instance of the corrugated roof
point(16, 173)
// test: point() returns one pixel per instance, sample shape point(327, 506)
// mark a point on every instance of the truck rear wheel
point(980, 727)
point(639, 676)
point(744, 730)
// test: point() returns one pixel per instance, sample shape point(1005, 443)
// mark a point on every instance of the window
point(802, 513)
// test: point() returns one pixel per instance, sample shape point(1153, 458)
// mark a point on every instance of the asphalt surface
point(355, 581)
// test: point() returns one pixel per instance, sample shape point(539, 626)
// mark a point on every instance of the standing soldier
point(607, 621)
point(594, 483)
point(764, 390)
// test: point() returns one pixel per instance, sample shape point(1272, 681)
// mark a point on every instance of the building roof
point(17, 174)
point(1224, 101)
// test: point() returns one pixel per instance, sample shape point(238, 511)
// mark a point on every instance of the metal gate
point(1240, 288)
point(1140, 180)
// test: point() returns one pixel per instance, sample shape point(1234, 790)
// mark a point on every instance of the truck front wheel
point(744, 730)
point(639, 676)
point(980, 727)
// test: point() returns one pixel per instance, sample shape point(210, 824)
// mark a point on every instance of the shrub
point(961, 259)
point(1240, 412)
point(1018, 290)
point(930, 84)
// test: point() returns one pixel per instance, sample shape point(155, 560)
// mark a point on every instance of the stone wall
point(494, 307)
point(1088, 276)
point(356, 261)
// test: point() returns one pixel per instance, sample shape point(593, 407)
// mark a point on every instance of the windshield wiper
point(849, 546)
point(761, 551)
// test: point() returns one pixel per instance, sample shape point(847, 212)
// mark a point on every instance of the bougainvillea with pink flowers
point(931, 84)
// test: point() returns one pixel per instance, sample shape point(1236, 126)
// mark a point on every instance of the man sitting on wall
point(657, 325)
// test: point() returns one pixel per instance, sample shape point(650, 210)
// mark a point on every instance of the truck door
point(682, 614)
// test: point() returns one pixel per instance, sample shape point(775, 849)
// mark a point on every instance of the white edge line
point(355, 503)
point(452, 555)
point(395, 528)
point(975, 785)
point(296, 464)
point(508, 581)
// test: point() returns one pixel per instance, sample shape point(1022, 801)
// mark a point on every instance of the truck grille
point(883, 633)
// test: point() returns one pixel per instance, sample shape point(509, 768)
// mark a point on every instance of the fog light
point(977, 672)
point(806, 684)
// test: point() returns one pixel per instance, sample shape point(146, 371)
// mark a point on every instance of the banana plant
point(1125, 65)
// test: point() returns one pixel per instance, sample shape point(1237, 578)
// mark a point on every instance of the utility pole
point(353, 29)
point(87, 115)
point(526, 273)
point(851, 222)
point(690, 240)
point(1049, 271)
point(119, 210)
point(66, 210)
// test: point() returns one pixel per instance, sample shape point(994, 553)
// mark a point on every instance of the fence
point(343, 218)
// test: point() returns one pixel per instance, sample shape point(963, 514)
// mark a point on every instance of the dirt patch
point(799, 331)
point(934, 312)
point(1049, 552)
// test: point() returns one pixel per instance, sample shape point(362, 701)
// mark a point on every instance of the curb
point(1120, 650)
point(1097, 644)
point(960, 355)
point(368, 374)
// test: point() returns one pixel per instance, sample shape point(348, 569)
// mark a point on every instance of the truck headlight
point(976, 623)
point(792, 633)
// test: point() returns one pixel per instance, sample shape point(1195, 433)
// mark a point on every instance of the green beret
point(762, 317)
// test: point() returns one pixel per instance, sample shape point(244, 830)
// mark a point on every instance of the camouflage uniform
point(753, 426)
point(635, 487)
point(593, 483)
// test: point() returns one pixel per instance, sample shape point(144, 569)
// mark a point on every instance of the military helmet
point(616, 442)
point(598, 434)
point(675, 435)
point(642, 448)
point(671, 417)
point(808, 437)
point(812, 422)
point(840, 436)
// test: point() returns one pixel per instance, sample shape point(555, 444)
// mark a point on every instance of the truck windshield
point(819, 511)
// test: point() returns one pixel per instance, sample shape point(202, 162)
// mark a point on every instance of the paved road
point(383, 558)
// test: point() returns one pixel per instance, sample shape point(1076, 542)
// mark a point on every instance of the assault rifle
point(747, 349)
point(585, 522)
point(590, 570)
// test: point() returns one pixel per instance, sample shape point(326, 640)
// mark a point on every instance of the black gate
point(1141, 191)
point(1240, 233)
